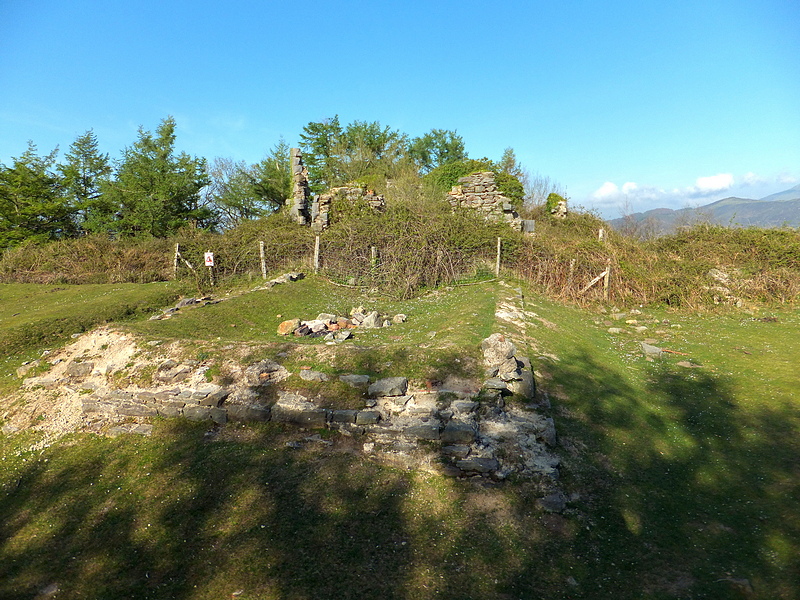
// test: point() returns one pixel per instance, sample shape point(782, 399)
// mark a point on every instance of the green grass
point(681, 479)
point(38, 317)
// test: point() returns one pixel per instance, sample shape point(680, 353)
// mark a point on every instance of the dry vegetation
point(421, 244)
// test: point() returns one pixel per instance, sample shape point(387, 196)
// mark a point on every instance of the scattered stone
point(288, 327)
point(614, 330)
point(79, 369)
point(397, 319)
point(478, 465)
point(458, 433)
point(355, 380)
point(309, 375)
point(555, 502)
point(389, 386)
point(651, 351)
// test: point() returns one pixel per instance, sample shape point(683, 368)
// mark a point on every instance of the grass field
point(683, 481)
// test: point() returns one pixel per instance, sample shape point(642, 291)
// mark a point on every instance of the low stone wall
point(479, 192)
point(321, 205)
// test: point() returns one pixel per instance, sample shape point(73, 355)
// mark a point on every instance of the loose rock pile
point(337, 328)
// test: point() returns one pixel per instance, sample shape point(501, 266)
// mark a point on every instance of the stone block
point(389, 386)
point(287, 327)
point(79, 369)
point(344, 416)
point(478, 465)
point(355, 380)
point(304, 417)
point(367, 417)
point(197, 413)
point(170, 409)
point(244, 413)
point(423, 431)
point(218, 415)
point(458, 433)
point(136, 410)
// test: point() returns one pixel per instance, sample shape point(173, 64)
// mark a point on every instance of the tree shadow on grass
point(690, 490)
point(194, 518)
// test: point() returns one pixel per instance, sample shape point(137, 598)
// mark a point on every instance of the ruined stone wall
point(315, 211)
point(321, 206)
point(298, 203)
point(479, 192)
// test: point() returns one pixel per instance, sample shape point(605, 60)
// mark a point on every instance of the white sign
point(209, 259)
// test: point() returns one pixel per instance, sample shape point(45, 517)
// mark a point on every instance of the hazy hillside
point(777, 210)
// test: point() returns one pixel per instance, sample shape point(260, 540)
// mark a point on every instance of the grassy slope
point(686, 477)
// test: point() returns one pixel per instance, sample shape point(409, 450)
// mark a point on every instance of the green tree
point(32, 201)
point(273, 176)
point(239, 191)
point(83, 173)
point(320, 142)
point(436, 148)
point(156, 191)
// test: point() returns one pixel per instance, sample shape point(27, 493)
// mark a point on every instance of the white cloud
point(629, 187)
point(751, 178)
point(606, 191)
point(714, 183)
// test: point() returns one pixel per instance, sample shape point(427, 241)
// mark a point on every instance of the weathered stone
point(555, 502)
point(464, 406)
point(456, 450)
point(367, 417)
point(423, 431)
point(243, 413)
point(79, 369)
point(295, 409)
point(170, 409)
point(197, 413)
point(265, 371)
point(372, 320)
point(215, 398)
point(145, 396)
point(287, 327)
point(310, 375)
point(186, 302)
point(478, 465)
point(218, 415)
point(399, 318)
point(651, 351)
point(389, 386)
point(136, 410)
point(343, 416)
point(25, 368)
point(495, 383)
point(326, 317)
point(525, 386)
point(458, 433)
point(496, 350)
point(355, 380)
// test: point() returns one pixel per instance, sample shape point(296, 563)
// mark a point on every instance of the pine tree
point(156, 191)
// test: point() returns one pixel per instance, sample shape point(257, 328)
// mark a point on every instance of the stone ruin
point(300, 190)
point(315, 211)
point(458, 427)
point(479, 192)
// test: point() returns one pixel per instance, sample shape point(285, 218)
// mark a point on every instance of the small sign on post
point(209, 258)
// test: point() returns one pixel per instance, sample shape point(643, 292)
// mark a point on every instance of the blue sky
point(626, 104)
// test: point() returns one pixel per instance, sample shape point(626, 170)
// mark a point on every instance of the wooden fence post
point(497, 263)
point(607, 280)
point(175, 261)
point(263, 260)
point(316, 254)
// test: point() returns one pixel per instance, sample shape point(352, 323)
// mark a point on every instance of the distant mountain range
point(776, 210)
